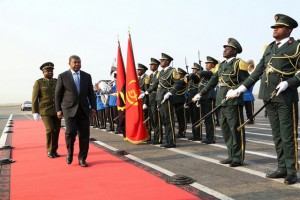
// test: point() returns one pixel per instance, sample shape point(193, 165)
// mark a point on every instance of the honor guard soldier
point(278, 70)
point(193, 83)
point(178, 102)
point(231, 73)
point(207, 101)
point(166, 86)
point(43, 106)
point(144, 85)
point(154, 115)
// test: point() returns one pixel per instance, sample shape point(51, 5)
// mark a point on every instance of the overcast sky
point(36, 31)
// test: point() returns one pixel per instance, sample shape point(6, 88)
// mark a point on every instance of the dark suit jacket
point(67, 98)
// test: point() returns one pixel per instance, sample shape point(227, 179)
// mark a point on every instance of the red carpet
point(35, 176)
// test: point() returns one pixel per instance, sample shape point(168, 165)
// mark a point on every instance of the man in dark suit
point(73, 95)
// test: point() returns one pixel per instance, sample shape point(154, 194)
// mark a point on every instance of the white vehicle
point(26, 105)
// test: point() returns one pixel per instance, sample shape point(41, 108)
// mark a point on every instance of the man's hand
point(36, 116)
point(93, 112)
point(143, 95)
point(196, 97)
point(185, 105)
point(145, 107)
point(59, 115)
point(167, 96)
point(281, 87)
point(231, 94)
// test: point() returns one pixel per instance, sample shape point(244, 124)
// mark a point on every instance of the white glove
point(143, 95)
point(236, 93)
point(36, 116)
point(185, 106)
point(196, 97)
point(145, 107)
point(197, 105)
point(166, 97)
point(281, 87)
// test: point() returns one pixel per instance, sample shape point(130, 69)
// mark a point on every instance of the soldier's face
point(208, 66)
point(153, 67)
point(140, 72)
point(164, 63)
point(229, 52)
point(194, 70)
point(48, 73)
point(281, 32)
point(75, 64)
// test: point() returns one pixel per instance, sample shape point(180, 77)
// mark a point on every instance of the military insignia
point(276, 17)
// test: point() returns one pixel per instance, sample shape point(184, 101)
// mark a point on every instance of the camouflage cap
point(181, 71)
point(235, 44)
point(211, 60)
point(141, 66)
point(284, 20)
point(154, 61)
point(166, 57)
point(47, 65)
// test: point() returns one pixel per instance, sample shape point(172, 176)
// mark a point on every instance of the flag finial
point(128, 29)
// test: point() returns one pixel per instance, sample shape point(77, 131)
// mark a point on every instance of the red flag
point(120, 80)
point(135, 128)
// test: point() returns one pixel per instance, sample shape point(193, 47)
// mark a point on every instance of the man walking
point(73, 95)
point(43, 106)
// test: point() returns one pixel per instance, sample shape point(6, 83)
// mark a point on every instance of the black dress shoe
point(156, 142)
point(277, 174)
point(55, 154)
point(51, 155)
point(226, 161)
point(69, 159)
point(168, 145)
point(290, 179)
point(208, 141)
point(82, 163)
point(235, 164)
point(180, 136)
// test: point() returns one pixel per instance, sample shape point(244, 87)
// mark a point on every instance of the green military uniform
point(178, 102)
point(43, 103)
point(155, 116)
point(229, 76)
point(192, 90)
point(166, 82)
point(207, 103)
point(144, 81)
point(277, 65)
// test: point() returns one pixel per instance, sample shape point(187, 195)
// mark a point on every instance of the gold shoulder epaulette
point(243, 65)
point(175, 74)
point(147, 80)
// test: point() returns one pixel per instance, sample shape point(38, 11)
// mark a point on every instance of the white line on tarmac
point(242, 169)
point(4, 134)
point(169, 173)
